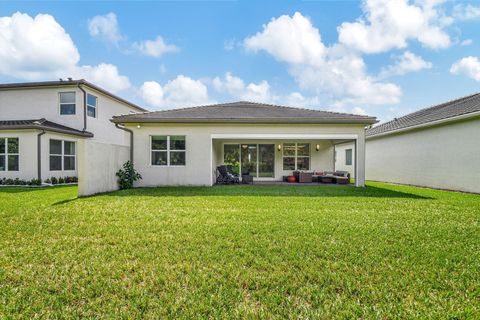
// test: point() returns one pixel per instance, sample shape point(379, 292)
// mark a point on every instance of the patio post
point(360, 160)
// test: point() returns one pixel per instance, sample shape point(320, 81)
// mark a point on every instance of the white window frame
point(95, 107)
point(6, 153)
point(63, 155)
point(168, 151)
point(60, 103)
point(296, 155)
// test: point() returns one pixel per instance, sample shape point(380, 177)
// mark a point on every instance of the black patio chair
point(226, 176)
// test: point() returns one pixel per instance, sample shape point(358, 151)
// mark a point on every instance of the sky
point(376, 57)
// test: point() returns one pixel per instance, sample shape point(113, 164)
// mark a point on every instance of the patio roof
point(42, 124)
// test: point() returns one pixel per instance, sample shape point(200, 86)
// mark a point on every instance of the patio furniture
point(225, 176)
point(325, 178)
point(247, 179)
point(343, 177)
point(303, 176)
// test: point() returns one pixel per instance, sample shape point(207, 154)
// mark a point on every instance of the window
point(296, 156)
point(62, 155)
point(91, 106)
point(168, 151)
point(67, 103)
point(9, 154)
point(348, 157)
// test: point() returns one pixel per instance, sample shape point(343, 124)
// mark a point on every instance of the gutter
point(366, 121)
point(84, 107)
point(39, 154)
point(426, 125)
point(117, 125)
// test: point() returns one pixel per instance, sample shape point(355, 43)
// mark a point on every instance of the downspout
point(84, 107)
point(39, 155)
point(131, 139)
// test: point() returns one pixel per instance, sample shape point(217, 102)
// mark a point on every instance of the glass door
point(248, 159)
point(257, 160)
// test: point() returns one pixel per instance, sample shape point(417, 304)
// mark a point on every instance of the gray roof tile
point(245, 112)
point(41, 124)
point(450, 109)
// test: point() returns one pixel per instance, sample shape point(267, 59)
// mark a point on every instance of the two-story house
point(42, 123)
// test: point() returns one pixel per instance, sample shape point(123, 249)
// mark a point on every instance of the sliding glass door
point(257, 160)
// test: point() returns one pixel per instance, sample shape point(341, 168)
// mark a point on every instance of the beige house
point(184, 146)
point(437, 147)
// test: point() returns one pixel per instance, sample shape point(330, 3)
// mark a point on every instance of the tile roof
point(42, 124)
point(450, 109)
point(69, 82)
point(244, 112)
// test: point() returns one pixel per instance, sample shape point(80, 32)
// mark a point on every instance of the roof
point(42, 124)
point(244, 112)
point(21, 85)
point(451, 109)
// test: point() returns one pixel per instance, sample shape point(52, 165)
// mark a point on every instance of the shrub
point(61, 180)
point(127, 176)
point(54, 180)
point(48, 181)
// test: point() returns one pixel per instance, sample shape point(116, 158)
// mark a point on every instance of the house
point(184, 146)
point(437, 147)
point(45, 125)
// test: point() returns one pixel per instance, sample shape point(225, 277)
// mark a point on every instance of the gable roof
point(244, 112)
point(69, 83)
point(448, 110)
point(42, 124)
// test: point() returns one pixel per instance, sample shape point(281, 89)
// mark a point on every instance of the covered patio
point(271, 158)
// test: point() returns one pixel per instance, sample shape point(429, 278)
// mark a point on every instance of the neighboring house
point(184, 146)
point(44, 126)
point(437, 147)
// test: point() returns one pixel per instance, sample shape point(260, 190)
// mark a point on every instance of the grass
point(240, 252)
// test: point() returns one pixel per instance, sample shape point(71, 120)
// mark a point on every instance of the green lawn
point(234, 252)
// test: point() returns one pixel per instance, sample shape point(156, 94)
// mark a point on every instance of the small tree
point(127, 176)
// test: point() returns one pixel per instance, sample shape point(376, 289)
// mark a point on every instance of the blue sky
point(382, 58)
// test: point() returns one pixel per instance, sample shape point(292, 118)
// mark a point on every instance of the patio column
point(360, 160)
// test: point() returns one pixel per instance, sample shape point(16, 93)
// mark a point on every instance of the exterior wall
point(27, 147)
point(321, 160)
point(340, 160)
point(97, 166)
point(26, 104)
point(28, 155)
point(203, 152)
point(445, 157)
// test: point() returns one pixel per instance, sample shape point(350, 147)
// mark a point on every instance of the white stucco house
point(53, 129)
point(436, 147)
point(184, 146)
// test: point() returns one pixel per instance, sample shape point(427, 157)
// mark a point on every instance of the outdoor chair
point(226, 176)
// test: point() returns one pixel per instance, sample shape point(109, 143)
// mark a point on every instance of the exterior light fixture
point(279, 147)
point(138, 126)
point(317, 147)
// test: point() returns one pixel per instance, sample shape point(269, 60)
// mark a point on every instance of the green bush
point(127, 176)
point(54, 180)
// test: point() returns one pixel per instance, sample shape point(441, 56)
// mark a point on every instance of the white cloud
point(466, 42)
point(236, 87)
point(334, 71)
point(468, 66)
point(35, 48)
point(105, 27)
point(154, 48)
point(466, 12)
point(290, 39)
point(405, 63)
point(179, 92)
point(38, 48)
point(104, 75)
point(360, 111)
point(390, 24)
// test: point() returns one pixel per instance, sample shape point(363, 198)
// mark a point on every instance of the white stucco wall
point(202, 154)
point(446, 157)
point(97, 165)
point(26, 104)
point(340, 163)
